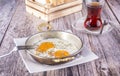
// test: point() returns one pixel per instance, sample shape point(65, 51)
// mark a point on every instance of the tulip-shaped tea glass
point(92, 21)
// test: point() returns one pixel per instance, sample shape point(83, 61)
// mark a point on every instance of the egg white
point(59, 45)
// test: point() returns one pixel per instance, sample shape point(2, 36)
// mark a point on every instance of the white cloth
point(34, 66)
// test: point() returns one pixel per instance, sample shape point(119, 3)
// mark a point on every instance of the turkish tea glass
point(91, 16)
point(93, 20)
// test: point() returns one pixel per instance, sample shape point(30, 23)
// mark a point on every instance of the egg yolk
point(61, 53)
point(43, 47)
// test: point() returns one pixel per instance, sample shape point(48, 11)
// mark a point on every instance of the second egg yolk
point(61, 53)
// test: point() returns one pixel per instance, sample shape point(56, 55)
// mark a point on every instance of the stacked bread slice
point(53, 2)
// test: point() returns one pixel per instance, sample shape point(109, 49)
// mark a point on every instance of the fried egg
point(55, 48)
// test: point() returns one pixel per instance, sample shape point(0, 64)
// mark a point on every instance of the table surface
point(15, 22)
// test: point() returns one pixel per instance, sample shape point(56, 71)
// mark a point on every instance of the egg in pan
point(55, 48)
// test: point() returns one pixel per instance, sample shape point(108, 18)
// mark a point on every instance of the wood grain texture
point(114, 6)
point(15, 22)
point(7, 9)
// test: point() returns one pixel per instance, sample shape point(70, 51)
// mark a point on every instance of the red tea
point(93, 20)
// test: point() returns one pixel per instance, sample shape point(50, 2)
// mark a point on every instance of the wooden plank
point(52, 16)
point(114, 6)
point(7, 10)
point(108, 64)
point(21, 25)
point(102, 66)
point(48, 10)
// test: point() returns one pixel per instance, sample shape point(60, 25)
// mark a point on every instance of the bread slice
point(53, 2)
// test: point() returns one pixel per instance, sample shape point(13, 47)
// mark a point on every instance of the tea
point(93, 20)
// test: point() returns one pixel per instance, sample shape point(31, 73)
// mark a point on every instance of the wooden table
point(15, 22)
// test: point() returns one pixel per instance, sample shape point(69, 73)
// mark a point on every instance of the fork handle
point(25, 47)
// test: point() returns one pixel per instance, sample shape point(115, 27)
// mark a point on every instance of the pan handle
point(63, 59)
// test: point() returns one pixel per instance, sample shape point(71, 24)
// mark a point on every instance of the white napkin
point(34, 66)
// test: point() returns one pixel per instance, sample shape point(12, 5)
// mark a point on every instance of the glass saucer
point(79, 26)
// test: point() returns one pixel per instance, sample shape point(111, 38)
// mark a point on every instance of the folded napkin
point(34, 66)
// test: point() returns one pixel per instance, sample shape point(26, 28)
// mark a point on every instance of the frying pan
point(32, 40)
